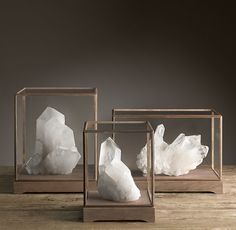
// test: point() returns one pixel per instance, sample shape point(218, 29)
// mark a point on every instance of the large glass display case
point(49, 138)
point(188, 147)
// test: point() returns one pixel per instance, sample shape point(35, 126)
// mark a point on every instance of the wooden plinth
point(92, 214)
point(98, 209)
point(202, 179)
point(49, 186)
point(189, 186)
point(52, 183)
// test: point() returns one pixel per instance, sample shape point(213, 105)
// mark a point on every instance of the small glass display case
point(121, 191)
point(187, 147)
point(49, 126)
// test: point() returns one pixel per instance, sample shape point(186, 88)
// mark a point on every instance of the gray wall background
point(164, 54)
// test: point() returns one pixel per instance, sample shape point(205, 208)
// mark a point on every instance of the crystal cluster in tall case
point(121, 191)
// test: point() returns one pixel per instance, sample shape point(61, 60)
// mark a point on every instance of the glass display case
point(187, 147)
point(49, 126)
point(121, 191)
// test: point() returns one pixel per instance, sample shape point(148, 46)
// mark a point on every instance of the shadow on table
point(66, 216)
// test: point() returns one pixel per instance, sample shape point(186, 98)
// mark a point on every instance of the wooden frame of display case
point(202, 179)
point(97, 209)
point(47, 183)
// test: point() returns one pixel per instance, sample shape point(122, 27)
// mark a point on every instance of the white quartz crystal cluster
point(185, 153)
point(55, 150)
point(115, 181)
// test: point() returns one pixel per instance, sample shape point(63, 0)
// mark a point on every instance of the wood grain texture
point(64, 211)
point(93, 214)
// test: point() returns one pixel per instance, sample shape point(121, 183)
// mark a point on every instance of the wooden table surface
point(64, 211)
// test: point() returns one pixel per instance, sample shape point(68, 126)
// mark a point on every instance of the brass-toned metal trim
point(24, 128)
point(211, 110)
point(117, 122)
point(117, 131)
point(174, 116)
point(85, 167)
point(212, 142)
point(149, 125)
point(152, 169)
point(215, 112)
point(163, 110)
point(15, 137)
point(96, 138)
point(85, 125)
point(221, 145)
point(62, 91)
point(94, 123)
point(217, 174)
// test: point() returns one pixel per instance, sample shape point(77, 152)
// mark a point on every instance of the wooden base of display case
point(52, 183)
point(47, 186)
point(98, 209)
point(189, 186)
point(202, 179)
point(21, 187)
point(92, 214)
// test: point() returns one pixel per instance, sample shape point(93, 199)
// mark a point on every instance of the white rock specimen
point(185, 153)
point(48, 113)
point(55, 150)
point(115, 181)
point(61, 160)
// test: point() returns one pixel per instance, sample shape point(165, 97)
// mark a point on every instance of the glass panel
point(76, 109)
point(189, 124)
point(130, 145)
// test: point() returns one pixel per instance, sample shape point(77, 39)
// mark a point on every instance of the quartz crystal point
point(55, 150)
point(115, 181)
point(185, 153)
